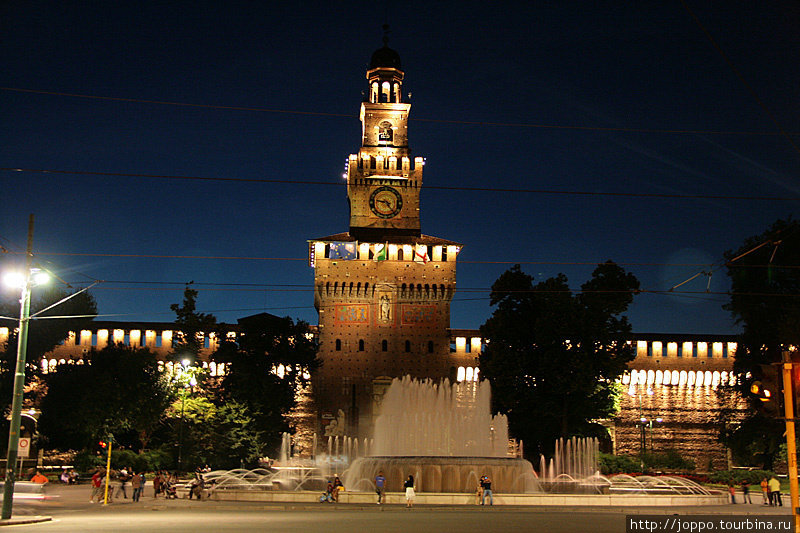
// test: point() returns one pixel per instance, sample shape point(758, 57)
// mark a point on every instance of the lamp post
point(28, 279)
point(186, 385)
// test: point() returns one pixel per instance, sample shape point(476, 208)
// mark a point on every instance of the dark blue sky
point(635, 97)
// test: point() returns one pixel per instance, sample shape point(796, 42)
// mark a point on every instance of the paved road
point(72, 512)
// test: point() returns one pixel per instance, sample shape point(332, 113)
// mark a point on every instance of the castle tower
point(382, 289)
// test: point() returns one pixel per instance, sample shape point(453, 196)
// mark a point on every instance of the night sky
point(669, 127)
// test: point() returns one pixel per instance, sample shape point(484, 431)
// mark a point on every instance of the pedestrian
point(337, 486)
point(765, 491)
point(746, 492)
point(410, 495)
point(197, 485)
point(122, 479)
point(39, 478)
point(97, 486)
point(486, 485)
point(108, 490)
point(775, 491)
point(136, 483)
point(380, 486)
point(157, 480)
point(732, 491)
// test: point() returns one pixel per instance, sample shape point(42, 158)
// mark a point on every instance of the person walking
point(122, 478)
point(775, 491)
point(410, 494)
point(746, 492)
point(97, 486)
point(732, 491)
point(486, 485)
point(380, 486)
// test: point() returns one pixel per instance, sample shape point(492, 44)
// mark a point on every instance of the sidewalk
point(69, 499)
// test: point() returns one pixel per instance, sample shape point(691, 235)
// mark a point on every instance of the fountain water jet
point(445, 436)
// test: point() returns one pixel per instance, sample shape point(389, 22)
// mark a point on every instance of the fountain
point(445, 436)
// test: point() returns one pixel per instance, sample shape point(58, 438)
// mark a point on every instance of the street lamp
point(25, 281)
point(186, 386)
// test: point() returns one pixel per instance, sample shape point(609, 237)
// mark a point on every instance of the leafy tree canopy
point(266, 343)
point(553, 356)
point(765, 294)
point(44, 333)
point(119, 390)
point(765, 302)
point(188, 324)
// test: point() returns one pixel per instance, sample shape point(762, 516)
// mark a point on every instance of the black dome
point(385, 58)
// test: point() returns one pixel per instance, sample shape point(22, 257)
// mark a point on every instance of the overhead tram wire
point(466, 261)
point(432, 187)
point(601, 129)
point(769, 114)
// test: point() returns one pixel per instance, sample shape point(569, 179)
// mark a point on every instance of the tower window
point(361, 345)
point(408, 346)
point(338, 345)
point(385, 133)
point(430, 346)
point(384, 345)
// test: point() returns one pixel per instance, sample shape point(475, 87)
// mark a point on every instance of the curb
point(26, 520)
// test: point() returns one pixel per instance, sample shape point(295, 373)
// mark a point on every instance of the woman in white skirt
point(409, 485)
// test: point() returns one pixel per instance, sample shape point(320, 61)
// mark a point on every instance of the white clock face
point(385, 202)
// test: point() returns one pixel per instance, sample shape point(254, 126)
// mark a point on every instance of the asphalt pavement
point(68, 510)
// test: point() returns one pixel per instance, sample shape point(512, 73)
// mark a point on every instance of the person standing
point(410, 494)
point(732, 491)
point(136, 484)
point(486, 485)
point(765, 491)
point(380, 486)
point(775, 491)
point(157, 480)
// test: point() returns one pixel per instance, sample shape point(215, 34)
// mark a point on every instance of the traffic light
point(102, 444)
point(769, 391)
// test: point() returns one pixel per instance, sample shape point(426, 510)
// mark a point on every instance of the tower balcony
point(367, 165)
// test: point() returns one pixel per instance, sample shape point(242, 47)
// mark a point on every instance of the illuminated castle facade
point(383, 288)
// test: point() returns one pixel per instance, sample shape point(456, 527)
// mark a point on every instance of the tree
point(119, 390)
point(553, 356)
point(44, 333)
point(267, 345)
point(189, 324)
point(765, 302)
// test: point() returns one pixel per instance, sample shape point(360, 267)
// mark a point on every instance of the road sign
point(24, 448)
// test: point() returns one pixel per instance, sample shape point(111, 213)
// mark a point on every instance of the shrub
point(739, 476)
point(617, 464)
point(669, 460)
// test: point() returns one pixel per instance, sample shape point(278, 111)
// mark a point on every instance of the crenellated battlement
point(406, 292)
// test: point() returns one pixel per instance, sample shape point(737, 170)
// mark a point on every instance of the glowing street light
point(25, 280)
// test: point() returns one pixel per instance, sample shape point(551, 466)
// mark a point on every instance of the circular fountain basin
point(442, 473)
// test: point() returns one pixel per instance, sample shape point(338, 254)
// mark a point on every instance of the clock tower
point(383, 288)
point(383, 181)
